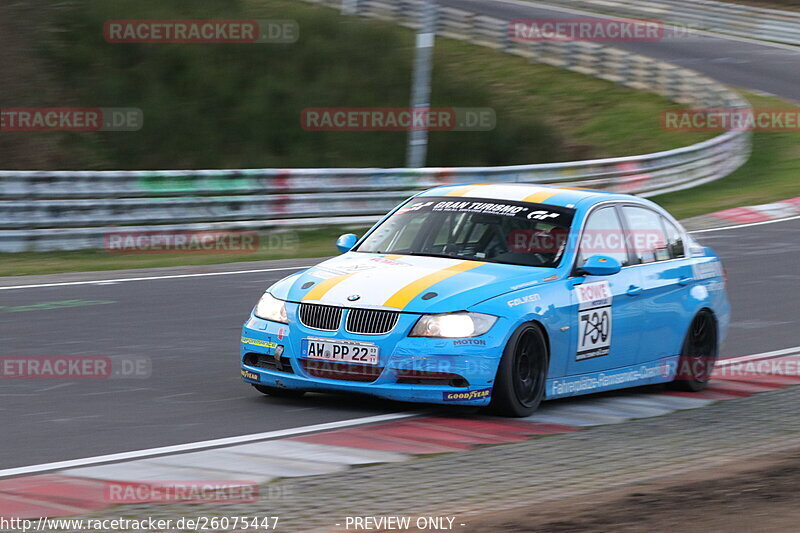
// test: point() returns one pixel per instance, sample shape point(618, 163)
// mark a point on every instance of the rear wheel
point(699, 353)
point(520, 382)
point(280, 393)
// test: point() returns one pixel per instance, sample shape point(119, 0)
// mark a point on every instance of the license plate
point(364, 353)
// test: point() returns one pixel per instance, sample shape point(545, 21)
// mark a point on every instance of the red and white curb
point(756, 214)
point(761, 213)
point(85, 489)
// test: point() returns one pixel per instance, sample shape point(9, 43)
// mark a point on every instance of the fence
point(75, 210)
point(723, 17)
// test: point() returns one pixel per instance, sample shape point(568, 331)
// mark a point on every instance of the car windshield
point(495, 231)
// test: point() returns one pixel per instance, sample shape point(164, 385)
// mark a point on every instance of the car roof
point(524, 192)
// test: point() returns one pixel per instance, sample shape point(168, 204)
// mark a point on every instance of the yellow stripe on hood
point(401, 298)
point(322, 288)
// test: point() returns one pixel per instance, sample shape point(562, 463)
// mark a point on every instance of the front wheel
point(279, 393)
point(520, 382)
point(698, 354)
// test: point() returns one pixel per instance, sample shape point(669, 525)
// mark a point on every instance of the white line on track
point(149, 278)
point(228, 441)
point(759, 356)
point(723, 228)
point(194, 446)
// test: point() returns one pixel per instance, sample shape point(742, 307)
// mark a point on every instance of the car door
point(605, 310)
point(665, 276)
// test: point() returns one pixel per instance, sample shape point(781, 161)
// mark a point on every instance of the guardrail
point(75, 210)
point(723, 17)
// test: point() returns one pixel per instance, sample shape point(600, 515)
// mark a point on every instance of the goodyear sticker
point(257, 342)
point(246, 374)
point(466, 395)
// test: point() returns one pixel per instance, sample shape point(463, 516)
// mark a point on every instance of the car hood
point(415, 284)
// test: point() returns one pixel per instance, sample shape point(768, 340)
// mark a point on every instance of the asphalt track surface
point(731, 60)
point(189, 327)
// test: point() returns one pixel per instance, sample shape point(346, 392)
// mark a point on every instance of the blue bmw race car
point(499, 295)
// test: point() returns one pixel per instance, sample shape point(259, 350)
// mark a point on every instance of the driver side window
point(603, 235)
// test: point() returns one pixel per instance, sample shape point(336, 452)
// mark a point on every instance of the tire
point(521, 376)
point(279, 393)
point(698, 353)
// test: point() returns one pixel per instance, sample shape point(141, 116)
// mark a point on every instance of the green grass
point(310, 243)
point(772, 173)
point(239, 105)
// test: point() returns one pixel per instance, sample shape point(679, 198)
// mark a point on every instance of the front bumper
point(475, 360)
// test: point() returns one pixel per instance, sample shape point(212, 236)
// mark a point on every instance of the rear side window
point(603, 235)
point(674, 239)
point(646, 234)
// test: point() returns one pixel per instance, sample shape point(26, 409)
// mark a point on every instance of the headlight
point(270, 308)
point(453, 325)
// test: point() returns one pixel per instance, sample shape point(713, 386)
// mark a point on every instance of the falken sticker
point(594, 320)
point(466, 395)
point(528, 298)
point(246, 374)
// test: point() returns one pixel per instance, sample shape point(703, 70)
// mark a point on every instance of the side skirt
point(649, 373)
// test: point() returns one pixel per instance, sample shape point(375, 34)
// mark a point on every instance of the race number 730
point(594, 332)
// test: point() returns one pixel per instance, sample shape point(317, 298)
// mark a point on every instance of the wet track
point(189, 327)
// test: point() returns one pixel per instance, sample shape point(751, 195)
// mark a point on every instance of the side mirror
point(600, 265)
point(346, 242)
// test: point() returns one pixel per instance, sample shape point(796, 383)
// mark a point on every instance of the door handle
point(685, 280)
point(634, 290)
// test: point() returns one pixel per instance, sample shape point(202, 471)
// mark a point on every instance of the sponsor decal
point(388, 260)
point(523, 285)
point(594, 319)
point(706, 270)
point(481, 207)
point(469, 342)
point(467, 395)
point(542, 215)
point(258, 342)
point(414, 207)
point(246, 374)
point(602, 380)
point(529, 298)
